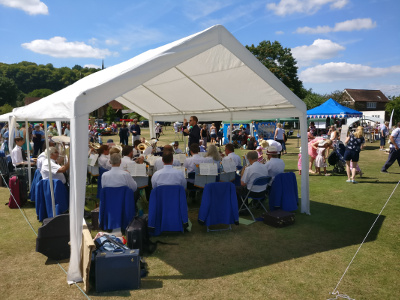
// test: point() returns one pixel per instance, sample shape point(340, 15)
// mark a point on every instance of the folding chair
point(257, 182)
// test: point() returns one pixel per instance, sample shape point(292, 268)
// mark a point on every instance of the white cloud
point(342, 71)
point(288, 7)
point(320, 49)
point(59, 47)
point(350, 25)
point(93, 41)
point(92, 66)
point(32, 7)
point(112, 42)
point(197, 9)
point(279, 32)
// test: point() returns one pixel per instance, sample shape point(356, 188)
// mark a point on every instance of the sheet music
point(151, 159)
point(137, 169)
point(180, 157)
point(208, 169)
point(202, 154)
point(182, 169)
point(92, 159)
point(228, 165)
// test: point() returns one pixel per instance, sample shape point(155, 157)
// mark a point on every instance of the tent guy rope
point(335, 292)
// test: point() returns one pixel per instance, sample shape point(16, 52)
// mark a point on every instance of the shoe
point(353, 181)
point(349, 180)
point(384, 171)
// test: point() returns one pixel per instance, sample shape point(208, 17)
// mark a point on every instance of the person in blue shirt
point(37, 139)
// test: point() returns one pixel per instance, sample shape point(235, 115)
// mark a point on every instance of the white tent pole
point(53, 205)
point(151, 127)
point(305, 188)
point(231, 129)
point(28, 152)
point(251, 129)
point(11, 132)
point(58, 124)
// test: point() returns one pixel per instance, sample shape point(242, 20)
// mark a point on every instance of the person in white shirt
point(117, 177)
point(16, 154)
point(176, 148)
point(230, 154)
point(274, 165)
point(104, 158)
point(191, 162)
point(168, 175)
point(42, 156)
point(57, 171)
point(159, 163)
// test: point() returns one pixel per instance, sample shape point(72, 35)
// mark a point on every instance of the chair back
point(36, 178)
point(219, 204)
point(43, 201)
point(167, 209)
point(284, 192)
point(264, 180)
point(101, 171)
point(117, 207)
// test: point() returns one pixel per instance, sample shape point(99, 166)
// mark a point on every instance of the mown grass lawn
point(303, 261)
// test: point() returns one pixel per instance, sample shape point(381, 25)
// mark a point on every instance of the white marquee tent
point(208, 74)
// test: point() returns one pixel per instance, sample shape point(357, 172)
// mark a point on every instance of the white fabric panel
point(305, 188)
point(77, 191)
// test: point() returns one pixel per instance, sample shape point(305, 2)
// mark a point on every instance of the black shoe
point(384, 171)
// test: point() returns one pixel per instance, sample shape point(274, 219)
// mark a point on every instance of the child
point(260, 155)
point(299, 162)
point(320, 161)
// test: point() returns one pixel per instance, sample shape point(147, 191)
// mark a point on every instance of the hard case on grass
point(53, 238)
point(95, 218)
point(136, 233)
point(117, 270)
point(279, 218)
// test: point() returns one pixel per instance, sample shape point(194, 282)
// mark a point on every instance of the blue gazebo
point(332, 109)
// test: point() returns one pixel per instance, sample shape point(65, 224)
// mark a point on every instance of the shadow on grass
point(202, 255)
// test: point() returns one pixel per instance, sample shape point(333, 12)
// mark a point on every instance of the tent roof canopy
point(208, 74)
point(331, 108)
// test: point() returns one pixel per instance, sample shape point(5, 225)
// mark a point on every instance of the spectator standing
point(123, 135)
point(280, 137)
point(394, 152)
point(135, 131)
point(384, 132)
point(354, 143)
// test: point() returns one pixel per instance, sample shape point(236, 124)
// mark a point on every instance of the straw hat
point(321, 143)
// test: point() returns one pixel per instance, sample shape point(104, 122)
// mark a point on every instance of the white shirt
point(54, 168)
point(234, 157)
point(191, 162)
point(274, 167)
point(116, 178)
point(125, 161)
point(178, 151)
point(252, 172)
point(104, 161)
point(40, 159)
point(16, 155)
point(159, 164)
point(396, 135)
point(168, 176)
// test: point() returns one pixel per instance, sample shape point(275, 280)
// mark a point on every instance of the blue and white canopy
point(332, 109)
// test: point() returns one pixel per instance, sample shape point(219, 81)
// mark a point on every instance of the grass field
point(303, 261)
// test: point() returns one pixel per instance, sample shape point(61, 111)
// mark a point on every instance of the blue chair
point(43, 203)
point(36, 178)
point(101, 171)
point(219, 205)
point(256, 196)
point(117, 207)
point(167, 209)
point(284, 193)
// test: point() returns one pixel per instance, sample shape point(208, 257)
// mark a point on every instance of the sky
point(337, 44)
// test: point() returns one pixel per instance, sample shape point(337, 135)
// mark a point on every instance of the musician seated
point(274, 165)
point(176, 148)
point(18, 155)
point(117, 177)
point(104, 158)
point(230, 154)
point(168, 175)
point(57, 171)
point(136, 152)
point(127, 157)
point(191, 162)
point(159, 163)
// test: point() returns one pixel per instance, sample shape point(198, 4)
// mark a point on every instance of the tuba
point(142, 146)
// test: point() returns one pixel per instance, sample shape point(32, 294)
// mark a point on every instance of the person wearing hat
point(158, 130)
point(274, 165)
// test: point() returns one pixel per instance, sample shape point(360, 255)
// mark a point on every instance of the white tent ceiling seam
point(208, 74)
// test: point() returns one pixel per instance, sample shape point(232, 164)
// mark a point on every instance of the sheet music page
point(208, 169)
point(228, 165)
point(180, 157)
point(92, 159)
point(202, 154)
point(137, 169)
point(182, 169)
point(151, 159)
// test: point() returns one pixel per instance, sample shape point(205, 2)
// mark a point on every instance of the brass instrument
point(142, 146)
point(94, 146)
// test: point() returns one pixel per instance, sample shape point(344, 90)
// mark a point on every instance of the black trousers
point(393, 156)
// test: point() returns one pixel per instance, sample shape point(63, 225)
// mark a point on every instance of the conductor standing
point(193, 130)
